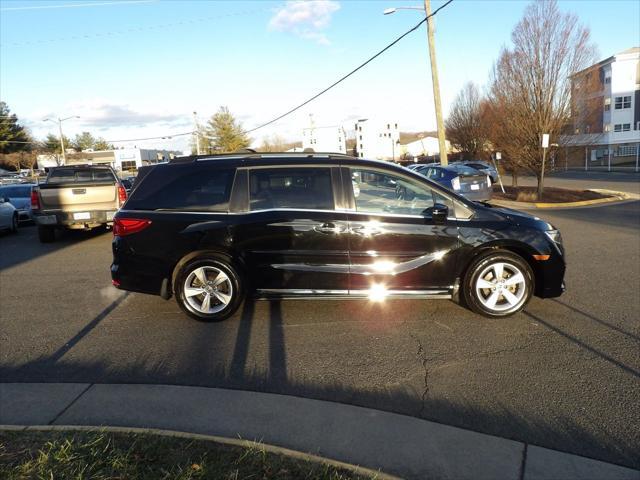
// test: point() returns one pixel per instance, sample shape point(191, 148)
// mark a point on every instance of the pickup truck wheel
point(46, 234)
point(208, 289)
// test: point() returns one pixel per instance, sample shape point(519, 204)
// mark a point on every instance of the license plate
point(47, 219)
point(475, 187)
point(81, 216)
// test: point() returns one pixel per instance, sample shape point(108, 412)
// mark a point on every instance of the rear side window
point(184, 187)
point(81, 175)
point(306, 188)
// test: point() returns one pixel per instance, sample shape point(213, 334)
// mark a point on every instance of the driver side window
point(383, 193)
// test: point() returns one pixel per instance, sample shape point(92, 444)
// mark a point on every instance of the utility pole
point(60, 120)
point(436, 85)
point(197, 132)
point(64, 157)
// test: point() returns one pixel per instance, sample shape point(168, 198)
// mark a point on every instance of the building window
point(623, 102)
point(360, 137)
point(396, 126)
point(388, 127)
point(360, 146)
point(622, 127)
point(626, 150)
point(607, 104)
point(129, 165)
point(607, 80)
point(607, 127)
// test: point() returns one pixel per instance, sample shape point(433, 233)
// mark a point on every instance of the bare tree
point(465, 129)
point(274, 143)
point(531, 85)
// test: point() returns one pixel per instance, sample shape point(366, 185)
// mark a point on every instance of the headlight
point(455, 183)
point(554, 236)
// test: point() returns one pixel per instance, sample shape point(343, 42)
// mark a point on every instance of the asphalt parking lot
point(564, 374)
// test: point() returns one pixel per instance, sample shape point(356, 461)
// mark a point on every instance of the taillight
point(127, 226)
point(35, 200)
point(122, 195)
point(455, 183)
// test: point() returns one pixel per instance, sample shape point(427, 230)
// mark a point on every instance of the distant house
point(125, 159)
point(325, 139)
point(424, 147)
point(605, 113)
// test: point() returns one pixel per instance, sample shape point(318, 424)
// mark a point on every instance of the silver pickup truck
point(76, 197)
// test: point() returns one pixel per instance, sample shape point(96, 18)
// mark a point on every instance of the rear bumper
point(477, 196)
point(71, 219)
point(137, 273)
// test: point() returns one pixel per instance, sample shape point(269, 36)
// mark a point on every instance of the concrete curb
point(236, 442)
point(396, 444)
point(615, 197)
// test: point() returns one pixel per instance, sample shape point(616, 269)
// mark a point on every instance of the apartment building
point(605, 114)
point(377, 140)
point(325, 139)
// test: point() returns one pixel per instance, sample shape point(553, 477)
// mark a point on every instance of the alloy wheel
point(501, 287)
point(208, 290)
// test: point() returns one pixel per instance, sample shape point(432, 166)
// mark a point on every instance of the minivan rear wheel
point(498, 284)
point(208, 289)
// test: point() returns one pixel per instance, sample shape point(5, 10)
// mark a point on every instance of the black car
point(213, 230)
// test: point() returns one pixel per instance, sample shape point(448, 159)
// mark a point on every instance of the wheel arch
point(521, 249)
point(224, 255)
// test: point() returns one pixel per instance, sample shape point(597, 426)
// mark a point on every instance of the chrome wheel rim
point(501, 287)
point(208, 290)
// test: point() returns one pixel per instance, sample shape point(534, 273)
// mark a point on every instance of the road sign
point(545, 140)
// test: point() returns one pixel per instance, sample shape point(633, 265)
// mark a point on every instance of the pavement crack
point(422, 356)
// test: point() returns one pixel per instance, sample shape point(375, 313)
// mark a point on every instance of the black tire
point(233, 287)
point(508, 297)
point(14, 223)
point(46, 234)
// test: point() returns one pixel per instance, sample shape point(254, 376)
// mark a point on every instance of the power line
point(133, 29)
point(289, 112)
point(151, 138)
point(74, 5)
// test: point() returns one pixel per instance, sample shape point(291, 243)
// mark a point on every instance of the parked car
point(8, 216)
point(20, 197)
point(211, 231)
point(484, 167)
point(76, 197)
point(466, 181)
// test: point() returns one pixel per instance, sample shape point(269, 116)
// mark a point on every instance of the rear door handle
point(330, 228)
point(365, 230)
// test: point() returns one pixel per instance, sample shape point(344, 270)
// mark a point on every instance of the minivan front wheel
point(499, 284)
point(208, 289)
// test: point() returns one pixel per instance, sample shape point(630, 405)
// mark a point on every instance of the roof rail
point(251, 153)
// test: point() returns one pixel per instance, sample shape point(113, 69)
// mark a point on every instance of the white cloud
point(305, 19)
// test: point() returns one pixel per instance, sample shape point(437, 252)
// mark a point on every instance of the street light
point(60, 120)
point(434, 74)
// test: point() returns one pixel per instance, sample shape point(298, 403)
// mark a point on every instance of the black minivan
point(211, 230)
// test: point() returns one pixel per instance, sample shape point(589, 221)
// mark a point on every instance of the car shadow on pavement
point(551, 431)
point(31, 248)
point(598, 320)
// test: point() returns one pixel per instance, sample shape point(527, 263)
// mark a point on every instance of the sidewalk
point(395, 444)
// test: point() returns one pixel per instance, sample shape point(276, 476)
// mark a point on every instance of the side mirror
point(438, 213)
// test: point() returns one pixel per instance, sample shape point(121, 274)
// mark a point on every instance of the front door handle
point(330, 228)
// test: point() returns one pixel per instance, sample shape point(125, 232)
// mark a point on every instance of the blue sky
point(133, 69)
